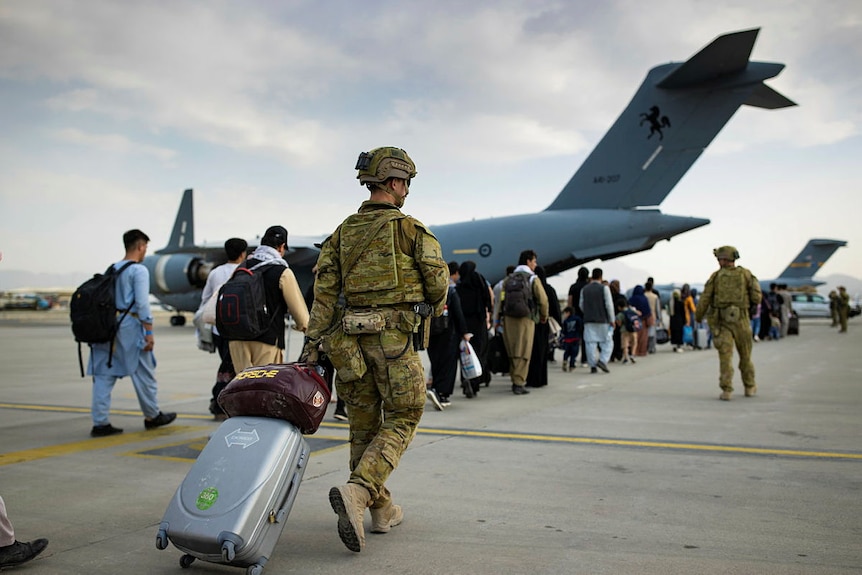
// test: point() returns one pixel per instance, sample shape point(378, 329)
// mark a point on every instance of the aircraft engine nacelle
point(177, 273)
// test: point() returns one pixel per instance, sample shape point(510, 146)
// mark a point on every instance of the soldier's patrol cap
point(726, 252)
point(274, 236)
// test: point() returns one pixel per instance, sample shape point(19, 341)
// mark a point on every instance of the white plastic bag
point(470, 365)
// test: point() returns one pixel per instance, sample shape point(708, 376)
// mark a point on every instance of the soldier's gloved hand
point(310, 353)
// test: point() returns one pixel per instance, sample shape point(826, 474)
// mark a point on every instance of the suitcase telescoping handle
point(290, 496)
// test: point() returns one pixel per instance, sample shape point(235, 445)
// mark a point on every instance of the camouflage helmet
point(726, 252)
point(380, 164)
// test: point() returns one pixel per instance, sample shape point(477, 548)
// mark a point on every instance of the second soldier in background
point(726, 300)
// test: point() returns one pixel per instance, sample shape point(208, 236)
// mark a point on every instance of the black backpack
point(241, 310)
point(518, 296)
point(93, 311)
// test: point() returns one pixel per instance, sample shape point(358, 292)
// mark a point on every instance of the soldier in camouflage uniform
point(726, 300)
point(383, 263)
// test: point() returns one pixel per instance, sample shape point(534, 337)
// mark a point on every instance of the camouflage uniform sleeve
point(705, 298)
point(429, 258)
point(327, 287)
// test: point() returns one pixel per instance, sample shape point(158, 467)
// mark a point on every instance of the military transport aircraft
point(611, 200)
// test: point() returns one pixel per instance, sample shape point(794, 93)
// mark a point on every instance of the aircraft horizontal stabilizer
point(765, 97)
point(726, 54)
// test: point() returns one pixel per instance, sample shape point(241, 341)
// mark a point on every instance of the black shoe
point(104, 430)
point(159, 420)
point(444, 399)
point(519, 390)
point(340, 415)
point(18, 553)
point(601, 365)
point(593, 370)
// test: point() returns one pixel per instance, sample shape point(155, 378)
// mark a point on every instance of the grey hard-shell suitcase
point(233, 504)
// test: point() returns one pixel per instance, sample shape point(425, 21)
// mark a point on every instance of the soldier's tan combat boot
point(349, 502)
point(385, 517)
point(751, 391)
point(725, 396)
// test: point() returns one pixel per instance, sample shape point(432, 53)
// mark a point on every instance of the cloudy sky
point(110, 109)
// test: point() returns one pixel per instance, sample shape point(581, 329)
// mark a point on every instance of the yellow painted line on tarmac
point(649, 444)
point(705, 447)
point(95, 443)
point(69, 409)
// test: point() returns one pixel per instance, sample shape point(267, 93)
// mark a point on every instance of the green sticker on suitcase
point(207, 498)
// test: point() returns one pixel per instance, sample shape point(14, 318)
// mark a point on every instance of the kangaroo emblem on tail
point(655, 125)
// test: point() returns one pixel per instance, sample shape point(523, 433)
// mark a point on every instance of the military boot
point(751, 391)
point(349, 502)
point(725, 396)
point(385, 517)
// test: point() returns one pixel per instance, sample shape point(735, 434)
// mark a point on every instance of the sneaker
point(633, 360)
point(756, 337)
point(349, 503)
point(19, 553)
point(594, 370)
point(104, 430)
point(626, 360)
point(385, 518)
point(601, 365)
point(444, 399)
point(160, 420)
point(431, 394)
point(340, 415)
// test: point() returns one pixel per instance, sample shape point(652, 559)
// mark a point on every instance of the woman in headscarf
point(640, 302)
point(620, 304)
point(475, 295)
point(677, 320)
point(537, 374)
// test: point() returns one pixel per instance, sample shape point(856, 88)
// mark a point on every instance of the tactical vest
point(383, 274)
point(731, 288)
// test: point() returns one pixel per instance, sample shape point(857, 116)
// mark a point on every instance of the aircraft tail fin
point(672, 118)
point(183, 234)
point(811, 258)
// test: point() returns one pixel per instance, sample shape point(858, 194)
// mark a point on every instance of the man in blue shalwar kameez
point(133, 346)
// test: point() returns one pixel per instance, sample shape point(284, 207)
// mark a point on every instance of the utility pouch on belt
point(361, 322)
point(730, 313)
point(346, 356)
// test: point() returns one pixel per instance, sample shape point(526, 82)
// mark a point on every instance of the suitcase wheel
point(186, 561)
point(254, 570)
point(162, 540)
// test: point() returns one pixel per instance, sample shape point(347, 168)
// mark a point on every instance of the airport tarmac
point(642, 470)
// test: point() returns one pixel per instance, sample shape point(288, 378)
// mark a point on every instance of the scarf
point(267, 256)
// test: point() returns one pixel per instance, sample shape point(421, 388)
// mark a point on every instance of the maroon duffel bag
point(292, 391)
